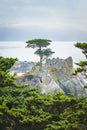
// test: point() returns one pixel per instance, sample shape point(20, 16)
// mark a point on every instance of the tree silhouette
point(43, 52)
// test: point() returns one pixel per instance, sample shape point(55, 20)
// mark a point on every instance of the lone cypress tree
point(43, 52)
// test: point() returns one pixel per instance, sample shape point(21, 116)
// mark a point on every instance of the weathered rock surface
point(55, 76)
point(22, 67)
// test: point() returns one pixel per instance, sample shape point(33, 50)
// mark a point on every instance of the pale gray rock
point(21, 67)
point(51, 87)
point(55, 76)
point(60, 69)
point(74, 86)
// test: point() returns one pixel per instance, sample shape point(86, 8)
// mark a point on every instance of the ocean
point(62, 49)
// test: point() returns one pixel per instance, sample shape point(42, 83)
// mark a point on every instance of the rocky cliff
point(55, 76)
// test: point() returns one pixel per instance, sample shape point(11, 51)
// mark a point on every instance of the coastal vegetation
point(82, 64)
point(43, 52)
point(27, 109)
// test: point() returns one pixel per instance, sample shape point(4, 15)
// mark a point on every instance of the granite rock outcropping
point(55, 76)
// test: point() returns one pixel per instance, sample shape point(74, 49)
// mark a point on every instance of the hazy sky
point(57, 20)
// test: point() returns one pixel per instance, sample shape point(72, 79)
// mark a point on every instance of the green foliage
point(81, 64)
point(28, 109)
point(5, 78)
point(6, 63)
point(78, 70)
point(82, 46)
point(42, 53)
point(72, 118)
point(48, 52)
point(23, 109)
point(81, 68)
point(38, 42)
point(39, 52)
point(37, 64)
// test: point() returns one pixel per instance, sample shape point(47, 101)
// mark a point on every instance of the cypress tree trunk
point(41, 58)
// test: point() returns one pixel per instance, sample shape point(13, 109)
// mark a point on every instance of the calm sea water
point(18, 49)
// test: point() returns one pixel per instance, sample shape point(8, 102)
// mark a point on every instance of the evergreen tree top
point(38, 42)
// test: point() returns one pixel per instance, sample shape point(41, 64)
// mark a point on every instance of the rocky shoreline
point(55, 76)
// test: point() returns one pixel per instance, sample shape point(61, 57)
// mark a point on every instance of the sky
point(57, 20)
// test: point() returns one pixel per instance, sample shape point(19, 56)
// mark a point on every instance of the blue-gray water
point(61, 49)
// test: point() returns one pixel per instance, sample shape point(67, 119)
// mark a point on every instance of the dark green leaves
point(82, 46)
point(6, 63)
point(38, 42)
